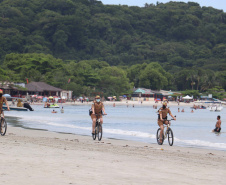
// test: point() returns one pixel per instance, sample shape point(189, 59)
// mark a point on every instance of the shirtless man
point(218, 125)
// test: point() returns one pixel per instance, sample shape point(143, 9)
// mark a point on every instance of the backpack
point(90, 112)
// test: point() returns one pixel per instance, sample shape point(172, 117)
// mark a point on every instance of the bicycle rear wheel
point(100, 131)
point(158, 137)
point(170, 136)
point(3, 126)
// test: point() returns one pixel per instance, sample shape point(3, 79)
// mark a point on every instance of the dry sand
point(48, 158)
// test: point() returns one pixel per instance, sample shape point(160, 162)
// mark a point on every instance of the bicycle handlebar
point(170, 119)
point(100, 114)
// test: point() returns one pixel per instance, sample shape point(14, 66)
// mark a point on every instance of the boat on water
point(15, 108)
point(52, 106)
point(198, 107)
point(216, 108)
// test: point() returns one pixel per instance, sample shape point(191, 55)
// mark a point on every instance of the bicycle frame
point(168, 132)
point(98, 128)
point(165, 134)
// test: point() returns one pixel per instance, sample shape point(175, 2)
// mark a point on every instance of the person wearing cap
point(162, 119)
point(3, 100)
point(97, 110)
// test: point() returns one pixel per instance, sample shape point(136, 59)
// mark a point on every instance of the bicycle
point(168, 133)
point(98, 128)
point(3, 124)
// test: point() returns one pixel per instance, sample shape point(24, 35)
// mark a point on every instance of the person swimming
point(54, 111)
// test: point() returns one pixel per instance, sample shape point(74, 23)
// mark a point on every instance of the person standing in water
point(218, 125)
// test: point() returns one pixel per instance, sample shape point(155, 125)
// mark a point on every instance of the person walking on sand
point(97, 110)
point(218, 125)
point(162, 119)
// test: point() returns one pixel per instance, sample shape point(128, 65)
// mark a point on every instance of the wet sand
point(42, 157)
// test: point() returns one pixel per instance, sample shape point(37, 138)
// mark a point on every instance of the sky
point(218, 4)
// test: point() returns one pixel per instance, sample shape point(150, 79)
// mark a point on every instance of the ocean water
point(137, 123)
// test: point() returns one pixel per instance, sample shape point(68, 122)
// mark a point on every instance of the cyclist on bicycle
point(97, 108)
point(162, 119)
point(3, 100)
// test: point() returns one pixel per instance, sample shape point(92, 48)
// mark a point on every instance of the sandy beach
point(131, 103)
point(42, 157)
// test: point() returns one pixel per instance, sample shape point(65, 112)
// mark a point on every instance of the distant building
point(66, 94)
point(8, 87)
point(42, 89)
point(33, 88)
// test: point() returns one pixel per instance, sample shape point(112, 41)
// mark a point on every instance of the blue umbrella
point(7, 95)
point(44, 99)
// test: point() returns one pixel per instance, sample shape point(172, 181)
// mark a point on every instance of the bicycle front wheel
point(170, 136)
point(95, 133)
point(3, 126)
point(100, 131)
point(158, 137)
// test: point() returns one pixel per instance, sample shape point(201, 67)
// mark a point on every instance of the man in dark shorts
point(218, 125)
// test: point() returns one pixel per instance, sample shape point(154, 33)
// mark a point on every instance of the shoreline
point(144, 103)
point(15, 125)
point(43, 157)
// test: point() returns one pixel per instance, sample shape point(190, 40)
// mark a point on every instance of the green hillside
point(175, 46)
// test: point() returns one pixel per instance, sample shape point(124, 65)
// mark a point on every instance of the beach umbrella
point(40, 97)
point(34, 96)
point(55, 97)
point(44, 99)
point(187, 98)
point(50, 97)
point(7, 95)
point(109, 98)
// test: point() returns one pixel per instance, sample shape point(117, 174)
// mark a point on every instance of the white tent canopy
point(187, 98)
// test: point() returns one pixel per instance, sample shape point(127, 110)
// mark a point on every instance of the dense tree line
point(175, 46)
